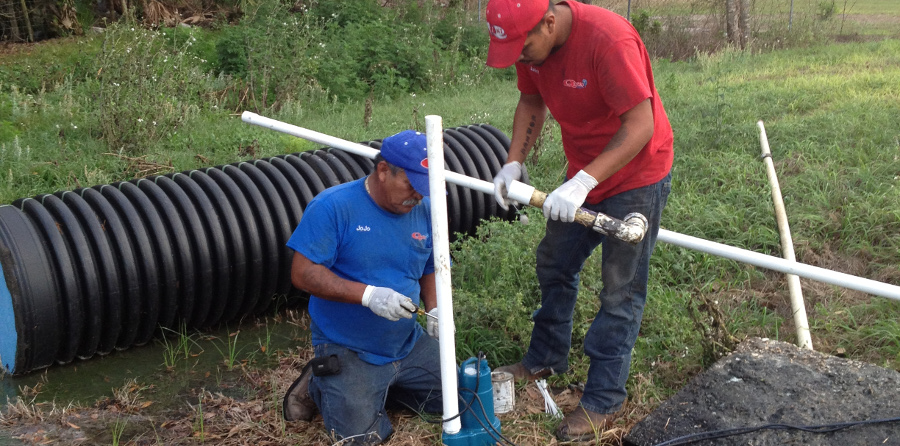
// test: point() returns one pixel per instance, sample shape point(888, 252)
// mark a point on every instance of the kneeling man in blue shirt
point(364, 253)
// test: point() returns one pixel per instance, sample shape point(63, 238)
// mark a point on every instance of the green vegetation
point(130, 102)
point(230, 350)
point(178, 345)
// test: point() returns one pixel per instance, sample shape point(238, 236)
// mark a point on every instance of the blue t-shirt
point(344, 230)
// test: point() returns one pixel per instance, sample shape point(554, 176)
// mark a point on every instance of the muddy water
point(168, 371)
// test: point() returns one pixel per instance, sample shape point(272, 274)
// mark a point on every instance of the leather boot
point(298, 405)
point(520, 372)
point(583, 425)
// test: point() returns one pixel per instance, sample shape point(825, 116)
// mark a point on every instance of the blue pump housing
point(479, 424)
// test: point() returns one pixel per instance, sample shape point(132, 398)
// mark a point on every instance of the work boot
point(520, 372)
point(298, 404)
point(583, 425)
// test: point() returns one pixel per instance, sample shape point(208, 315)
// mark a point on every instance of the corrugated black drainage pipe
point(93, 270)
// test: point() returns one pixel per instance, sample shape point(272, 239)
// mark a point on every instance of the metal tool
point(420, 310)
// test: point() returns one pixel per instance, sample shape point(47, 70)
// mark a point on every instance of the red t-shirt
point(602, 71)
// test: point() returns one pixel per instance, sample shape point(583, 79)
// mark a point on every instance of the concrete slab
point(765, 382)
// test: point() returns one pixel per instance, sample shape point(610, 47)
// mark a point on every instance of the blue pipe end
point(479, 425)
point(9, 338)
point(474, 436)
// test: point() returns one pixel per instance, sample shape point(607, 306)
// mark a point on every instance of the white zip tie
point(549, 405)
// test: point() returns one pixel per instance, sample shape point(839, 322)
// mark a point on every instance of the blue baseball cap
point(409, 151)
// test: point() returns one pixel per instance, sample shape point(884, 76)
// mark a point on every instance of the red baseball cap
point(509, 22)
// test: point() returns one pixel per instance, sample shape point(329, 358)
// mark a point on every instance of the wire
point(367, 434)
point(489, 428)
point(819, 429)
point(484, 412)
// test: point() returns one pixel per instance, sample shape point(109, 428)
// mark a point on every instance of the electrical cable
point(484, 412)
point(494, 435)
point(818, 429)
point(686, 439)
point(345, 439)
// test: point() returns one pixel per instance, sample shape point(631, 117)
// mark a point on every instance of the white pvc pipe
point(686, 241)
point(630, 230)
point(359, 149)
point(434, 134)
point(798, 309)
point(782, 265)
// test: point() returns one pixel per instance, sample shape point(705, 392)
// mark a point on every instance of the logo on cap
point(424, 163)
point(497, 31)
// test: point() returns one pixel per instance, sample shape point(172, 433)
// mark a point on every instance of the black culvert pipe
point(89, 271)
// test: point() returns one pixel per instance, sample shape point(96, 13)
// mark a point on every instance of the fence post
point(27, 21)
point(744, 23)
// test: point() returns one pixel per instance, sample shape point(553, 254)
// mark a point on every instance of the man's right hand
point(388, 303)
point(510, 172)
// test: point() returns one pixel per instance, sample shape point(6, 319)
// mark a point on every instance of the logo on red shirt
point(575, 84)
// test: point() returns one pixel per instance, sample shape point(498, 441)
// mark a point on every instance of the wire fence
point(671, 28)
point(679, 29)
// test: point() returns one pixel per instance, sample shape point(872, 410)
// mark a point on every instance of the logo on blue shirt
point(362, 228)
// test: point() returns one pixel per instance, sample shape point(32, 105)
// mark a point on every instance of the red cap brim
point(504, 53)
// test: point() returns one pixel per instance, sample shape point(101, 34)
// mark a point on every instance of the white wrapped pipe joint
point(630, 229)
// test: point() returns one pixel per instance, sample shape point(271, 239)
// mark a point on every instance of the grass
point(200, 423)
point(230, 350)
point(830, 112)
point(885, 7)
point(181, 347)
point(117, 430)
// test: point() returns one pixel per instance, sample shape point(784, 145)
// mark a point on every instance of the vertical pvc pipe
point(787, 245)
point(441, 242)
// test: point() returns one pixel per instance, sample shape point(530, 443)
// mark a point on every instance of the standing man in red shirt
point(590, 69)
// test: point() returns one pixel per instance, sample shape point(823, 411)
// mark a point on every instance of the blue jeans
point(353, 401)
point(625, 269)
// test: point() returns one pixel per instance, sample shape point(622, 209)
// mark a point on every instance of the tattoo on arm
point(529, 135)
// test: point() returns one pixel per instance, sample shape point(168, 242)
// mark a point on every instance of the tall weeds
point(148, 85)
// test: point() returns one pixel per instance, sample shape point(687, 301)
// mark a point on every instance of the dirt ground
point(131, 417)
point(776, 384)
point(762, 382)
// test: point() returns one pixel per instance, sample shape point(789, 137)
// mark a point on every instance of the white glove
point(562, 203)
point(431, 323)
point(510, 172)
point(388, 303)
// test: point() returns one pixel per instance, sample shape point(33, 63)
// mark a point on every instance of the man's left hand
point(562, 202)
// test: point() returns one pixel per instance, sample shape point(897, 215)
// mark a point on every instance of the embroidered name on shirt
point(362, 228)
point(575, 84)
point(419, 236)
